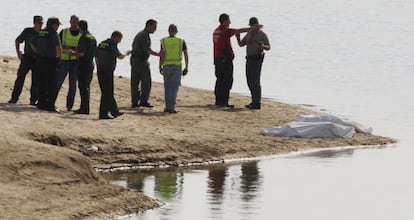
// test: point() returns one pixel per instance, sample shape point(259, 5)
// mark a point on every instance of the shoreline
point(50, 161)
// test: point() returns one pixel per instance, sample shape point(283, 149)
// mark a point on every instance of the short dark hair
point(223, 17)
point(51, 21)
point(83, 25)
point(150, 22)
point(116, 34)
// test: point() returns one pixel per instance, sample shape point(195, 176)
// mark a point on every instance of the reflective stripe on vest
point(173, 47)
point(69, 41)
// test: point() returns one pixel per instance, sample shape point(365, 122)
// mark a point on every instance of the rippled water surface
point(353, 58)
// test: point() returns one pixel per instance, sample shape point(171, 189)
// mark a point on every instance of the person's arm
point(161, 61)
point(243, 30)
point(18, 52)
point(17, 43)
point(241, 42)
point(185, 71)
point(122, 56)
point(151, 52)
point(265, 45)
point(58, 51)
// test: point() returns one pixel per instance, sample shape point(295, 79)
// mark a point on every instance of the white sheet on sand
point(317, 126)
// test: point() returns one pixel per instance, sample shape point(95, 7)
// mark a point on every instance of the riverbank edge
point(52, 170)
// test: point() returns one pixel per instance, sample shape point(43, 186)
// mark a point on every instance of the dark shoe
point(134, 106)
point(252, 106)
point(105, 117)
point(170, 111)
point(53, 110)
point(81, 112)
point(146, 104)
point(224, 106)
point(12, 101)
point(69, 109)
point(119, 114)
point(33, 103)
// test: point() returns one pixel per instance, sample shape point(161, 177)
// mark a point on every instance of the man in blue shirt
point(106, 55)
point(27, 61)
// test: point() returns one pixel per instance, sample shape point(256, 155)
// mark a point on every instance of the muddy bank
point(48, 160)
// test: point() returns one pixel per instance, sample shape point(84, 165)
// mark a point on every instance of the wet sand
point(49, 161)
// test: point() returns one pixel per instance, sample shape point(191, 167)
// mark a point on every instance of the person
point(27, 62)
point(106, 55)
point(46, 44)
point(69, 61)
point(223, 59)
point(256, 42)
point(171, 66)
point(140, 69)
point(86, 52)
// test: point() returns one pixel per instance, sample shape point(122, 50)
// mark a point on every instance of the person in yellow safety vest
point(171, 66)
point(69, 61)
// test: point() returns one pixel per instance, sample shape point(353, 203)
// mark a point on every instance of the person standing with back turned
point(48, 48)
point(86, 52)
point(171, 66)
point(256, 42)
point(140, 68)
point(106, 55)
point(27, 62)
point(223, 59)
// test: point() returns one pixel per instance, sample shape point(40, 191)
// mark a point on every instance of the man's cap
point(37, 19)
point(52, 21)
point(253, 21)
point(172, 28)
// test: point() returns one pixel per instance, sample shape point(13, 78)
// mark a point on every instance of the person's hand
point(185, 71)
point(161, 70)
point(20, 55)
point(128, 52)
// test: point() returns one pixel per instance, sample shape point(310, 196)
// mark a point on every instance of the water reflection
point(330, 153)
point(229, 191)
point(250, 181)
point(216, 186)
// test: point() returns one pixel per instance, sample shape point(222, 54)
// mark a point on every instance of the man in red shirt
point(223, 59)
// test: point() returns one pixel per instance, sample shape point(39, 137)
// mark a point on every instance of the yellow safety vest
point(173, 47)
point(68, 40)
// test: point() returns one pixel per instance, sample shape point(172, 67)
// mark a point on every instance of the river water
point(352, 58)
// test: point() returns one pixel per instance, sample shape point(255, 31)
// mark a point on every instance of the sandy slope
point(48, 160)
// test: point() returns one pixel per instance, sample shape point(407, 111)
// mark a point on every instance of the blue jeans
point(172, 81)
point(65, 67)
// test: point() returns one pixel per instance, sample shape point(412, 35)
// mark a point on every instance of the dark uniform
point(140, 70)
point(87, 46)
point(46, 42)
point(107, 53)
point(27, 63)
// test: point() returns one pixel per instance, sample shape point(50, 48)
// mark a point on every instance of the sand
point(49, 162)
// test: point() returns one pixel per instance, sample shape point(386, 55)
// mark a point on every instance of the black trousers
point(224, 80)
point(253, 72)
point(141, 81)
point(108, 103)
point(47, 82)
point(27, 63)
point(85, 74)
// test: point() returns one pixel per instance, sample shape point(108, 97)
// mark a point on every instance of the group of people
point(51, 56)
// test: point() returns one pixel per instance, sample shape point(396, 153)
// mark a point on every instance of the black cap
point(253, 21)
point(37, 19)
point(52, 20)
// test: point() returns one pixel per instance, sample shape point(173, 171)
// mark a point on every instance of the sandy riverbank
point(48, 160)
